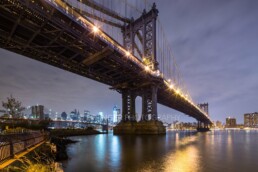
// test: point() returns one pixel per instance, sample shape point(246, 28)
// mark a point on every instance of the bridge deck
point(50, 34)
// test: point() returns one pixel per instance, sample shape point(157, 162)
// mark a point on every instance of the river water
point(177, 151)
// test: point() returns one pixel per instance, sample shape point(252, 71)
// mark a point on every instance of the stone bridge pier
point(148, 123)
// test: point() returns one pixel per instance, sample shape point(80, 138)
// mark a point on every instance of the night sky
point(215, 43)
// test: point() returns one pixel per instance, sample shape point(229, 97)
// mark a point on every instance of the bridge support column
point(149, 104)
point(128, 106)
point(154, 114)
point(132, 97)
point(128, 122)
point(149, 123)
point(124, 105)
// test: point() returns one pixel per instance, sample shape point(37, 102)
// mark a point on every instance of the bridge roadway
point(54, 34)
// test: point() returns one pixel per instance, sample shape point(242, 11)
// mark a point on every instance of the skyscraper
point(230, 122)
point(86, 115)
point(251, 119)
point(38, 112)
point(116, 113)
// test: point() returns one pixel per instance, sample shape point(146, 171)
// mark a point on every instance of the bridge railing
point(11, 145)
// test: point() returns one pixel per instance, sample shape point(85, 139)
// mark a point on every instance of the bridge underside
point(37, 30)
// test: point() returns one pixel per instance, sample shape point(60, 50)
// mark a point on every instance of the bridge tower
point(143, 29)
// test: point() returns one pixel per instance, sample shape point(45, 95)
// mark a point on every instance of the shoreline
point(54, 150)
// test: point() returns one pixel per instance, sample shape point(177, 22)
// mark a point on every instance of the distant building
point(204, 107)
point(37, 112)
point(47, 117)
point(86, 115)
point(101, 115)
point(218, 124)
point(251, 120)
point(63, 115)
point(116, 113)
point(231, 122)
point(75, 115)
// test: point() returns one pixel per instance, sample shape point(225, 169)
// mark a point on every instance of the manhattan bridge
point(118, 43)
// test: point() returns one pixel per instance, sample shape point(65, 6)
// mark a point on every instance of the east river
point(177, 151)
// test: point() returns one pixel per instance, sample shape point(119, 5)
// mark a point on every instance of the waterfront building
point(251, 120)
point(37, 112)
point(231, 122)
point(219, 124)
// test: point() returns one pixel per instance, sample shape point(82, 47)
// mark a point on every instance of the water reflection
point(184, 160)
point(174, 152)
point(115, 156)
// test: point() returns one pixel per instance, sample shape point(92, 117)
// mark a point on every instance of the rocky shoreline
point(61, 145)
point(58, 138)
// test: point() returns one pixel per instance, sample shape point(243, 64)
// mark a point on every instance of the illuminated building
point(74, 115)
point(101, 115)
point(38, 112)
point(251, 119)
point(86, 115)
point(231, 122)
point(116, 113)
point(219, 124)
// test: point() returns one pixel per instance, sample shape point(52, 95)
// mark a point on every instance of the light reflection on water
point(173, 152)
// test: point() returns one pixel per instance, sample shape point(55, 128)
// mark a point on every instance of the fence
point(14, 144)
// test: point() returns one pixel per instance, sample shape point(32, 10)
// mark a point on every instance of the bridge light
point(127, 53)
point(158, 72)
point(171, 86)
point(95, 29)
point(147, 68)
point(177, 91)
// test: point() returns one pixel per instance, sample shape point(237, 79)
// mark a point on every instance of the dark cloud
point(214, 42)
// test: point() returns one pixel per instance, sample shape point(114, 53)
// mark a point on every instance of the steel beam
point(98, 56)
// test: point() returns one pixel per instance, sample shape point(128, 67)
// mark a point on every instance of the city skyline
point(214, 47)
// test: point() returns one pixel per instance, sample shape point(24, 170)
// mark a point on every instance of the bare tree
point(14, 107)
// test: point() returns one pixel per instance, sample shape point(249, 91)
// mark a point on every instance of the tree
point(14, 107)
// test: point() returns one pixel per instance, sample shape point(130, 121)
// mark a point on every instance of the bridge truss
point(58, 33)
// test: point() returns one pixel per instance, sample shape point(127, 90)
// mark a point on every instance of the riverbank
point(72, 132)
point(46, 157)
point(58, 138)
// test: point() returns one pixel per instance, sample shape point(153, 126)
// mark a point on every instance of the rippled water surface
point(225, 151)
